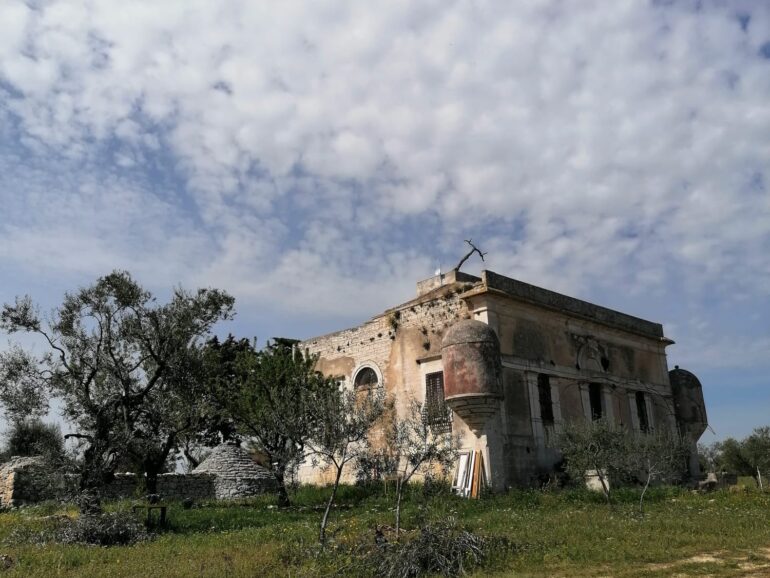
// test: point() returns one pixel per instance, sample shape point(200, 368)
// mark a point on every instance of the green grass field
point(570, 533)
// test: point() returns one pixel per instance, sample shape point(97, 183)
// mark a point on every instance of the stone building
point(512, 362)
point(235, 473)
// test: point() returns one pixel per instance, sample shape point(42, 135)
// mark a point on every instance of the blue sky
point(317, 159)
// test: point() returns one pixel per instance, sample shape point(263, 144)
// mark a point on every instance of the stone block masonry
point(170, 487)
point(27, 480)
point(24, 480)
point(430, 315)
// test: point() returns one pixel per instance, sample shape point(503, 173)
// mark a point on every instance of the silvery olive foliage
point(110, 353)
point(342, 434)
point(416, 448)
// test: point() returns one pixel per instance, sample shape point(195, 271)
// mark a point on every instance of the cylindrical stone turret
point(689, 410)
point(689, 406)
point(470, 352)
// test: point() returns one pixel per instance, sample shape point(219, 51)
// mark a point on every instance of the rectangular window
point(641, 412)
point(436, 410)
point(595, 397)
point(544, 395)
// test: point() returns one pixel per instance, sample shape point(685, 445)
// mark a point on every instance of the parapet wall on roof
point(554, 300)
point(442, 279)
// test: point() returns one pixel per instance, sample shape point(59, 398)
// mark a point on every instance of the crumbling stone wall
point(401, 343)
point(422, 321)
point(24, 480)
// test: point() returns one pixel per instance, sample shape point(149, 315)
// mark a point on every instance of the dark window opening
point(367, 377)
point(595, 397)
point(641, 412)
point(544, 395)
point(436, 410)
point(605, 363)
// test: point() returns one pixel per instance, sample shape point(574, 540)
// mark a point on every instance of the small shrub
point(440, 548)
point(434, 486)
point(108, 529)
point(33, 437)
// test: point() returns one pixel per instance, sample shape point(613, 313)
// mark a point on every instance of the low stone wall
point(170, 486)
point(27, 480)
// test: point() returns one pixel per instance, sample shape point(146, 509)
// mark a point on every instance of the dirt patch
point(752, 566)
point(755, 563)
point(705, 558)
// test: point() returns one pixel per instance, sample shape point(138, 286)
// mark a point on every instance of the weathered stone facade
point(561, 359)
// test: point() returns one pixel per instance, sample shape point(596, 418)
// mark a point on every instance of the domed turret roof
point(682, 377)
point(469, 331)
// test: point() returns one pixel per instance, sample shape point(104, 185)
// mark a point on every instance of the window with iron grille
point(436, 412)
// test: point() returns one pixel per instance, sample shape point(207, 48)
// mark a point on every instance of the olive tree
point(345, 420)
point(274, 397)
point(173, 410)
point(656, 456)
point(593, 446)
point(416, 448)
point(747, 457)
point(617, 456)
point(107, 349)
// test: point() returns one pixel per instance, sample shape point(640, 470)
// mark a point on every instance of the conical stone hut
point(236, 474)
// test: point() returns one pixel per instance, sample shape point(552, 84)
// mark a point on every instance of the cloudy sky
point(317, 158)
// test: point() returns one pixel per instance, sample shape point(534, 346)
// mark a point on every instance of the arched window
point(366, 377)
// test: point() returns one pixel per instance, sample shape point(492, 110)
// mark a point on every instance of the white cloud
point(589, 147)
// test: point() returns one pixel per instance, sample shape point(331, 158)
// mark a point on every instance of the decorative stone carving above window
point(591, 355)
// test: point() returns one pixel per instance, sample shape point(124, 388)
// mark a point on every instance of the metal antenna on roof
point(474, 249)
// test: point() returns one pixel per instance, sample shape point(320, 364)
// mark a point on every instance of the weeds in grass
point(106, 529)
point(528, 532)
point(440, 548)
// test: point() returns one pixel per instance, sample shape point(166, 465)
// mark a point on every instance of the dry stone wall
point(235, 474)
point(228, 474)
point(24, 480)
point(170, 486)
